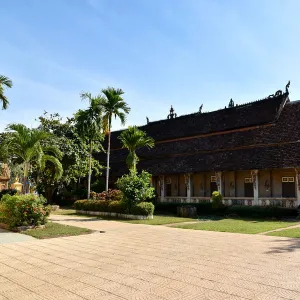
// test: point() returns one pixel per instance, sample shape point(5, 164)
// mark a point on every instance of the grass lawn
point(160, 220)
point(53, 230)
point(64, 211)
point(238, 226)
point(293, 233)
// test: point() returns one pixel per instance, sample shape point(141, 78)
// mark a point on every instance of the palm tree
point(4, 81)
point(28, 146)
point(133, 139)
point(89, 124)
point(113, 105)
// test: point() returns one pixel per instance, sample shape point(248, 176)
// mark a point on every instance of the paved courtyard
point(150, 262)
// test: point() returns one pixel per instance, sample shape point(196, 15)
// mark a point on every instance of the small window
point(288, 179)
point(248, 180)
point(213, 179)
point(168, 180)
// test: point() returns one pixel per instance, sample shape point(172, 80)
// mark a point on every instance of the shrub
point(111, 194)
point(24, 210)
point(8, 191)
point(143, 208)
point(116, 207)
point(135, 188)
point(216, 199)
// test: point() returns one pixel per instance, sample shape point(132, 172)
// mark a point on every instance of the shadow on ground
point(284, 245)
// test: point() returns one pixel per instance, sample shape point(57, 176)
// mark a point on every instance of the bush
point(8, 191)
point(24, 210)
point(116, 207)
point(135, 188)
point(143, 208)
point(216, 199)
point(261, 212)
point(112, 195)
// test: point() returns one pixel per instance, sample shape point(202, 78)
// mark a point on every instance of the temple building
point(250, 153)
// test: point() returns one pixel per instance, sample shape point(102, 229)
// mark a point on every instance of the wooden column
point(162, 187)
point(188, 184)
point(255, 179)
point(298, 186)
point(219, 178)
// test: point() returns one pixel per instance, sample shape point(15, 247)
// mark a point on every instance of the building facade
point(250, 153)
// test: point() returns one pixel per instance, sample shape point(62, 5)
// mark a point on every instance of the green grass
point(53, 230)
point(238, 226)
point(160, 220)
point(292, 233)
point(64, 211)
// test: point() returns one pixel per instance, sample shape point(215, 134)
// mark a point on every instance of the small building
point(250, 153)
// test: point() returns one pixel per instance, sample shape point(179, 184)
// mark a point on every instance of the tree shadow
point(284, 245)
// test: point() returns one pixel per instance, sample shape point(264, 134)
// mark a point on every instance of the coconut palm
point(30, 147)
point(89, 125)
point(113, 105)
point(4, 82)
point(133, 139)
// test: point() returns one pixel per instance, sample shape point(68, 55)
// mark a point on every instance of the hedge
point(143, 208)
point(261, 211)
point(206, 208)
point(203, 208)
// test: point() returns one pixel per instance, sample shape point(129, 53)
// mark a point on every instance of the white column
point(219, 179)
point(298, 186)
point(255, 179)
point(188, 184)
point(162, 187)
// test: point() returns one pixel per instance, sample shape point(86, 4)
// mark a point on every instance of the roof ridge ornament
point(172, 115)
point(231, 103)
point(287, 87)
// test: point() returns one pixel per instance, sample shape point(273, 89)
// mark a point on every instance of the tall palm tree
point(28, 146)
point(133, 139)
point(113, 105)
point(89, 125)
point(4, 81)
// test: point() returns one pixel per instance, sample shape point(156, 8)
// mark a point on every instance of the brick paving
point(144, 262)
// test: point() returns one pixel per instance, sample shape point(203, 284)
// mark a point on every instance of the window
point(248, 187)
point(288, 187)
point(168, 190)
point(213, 184)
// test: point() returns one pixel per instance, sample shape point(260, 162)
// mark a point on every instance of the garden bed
point(115, 215)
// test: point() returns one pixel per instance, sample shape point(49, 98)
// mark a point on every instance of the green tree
point(75, 160)
point(113, 105)
point(89, 125)
point(27, 147)
point(4, 82)
point(133, 139)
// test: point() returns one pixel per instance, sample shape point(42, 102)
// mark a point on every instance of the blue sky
point(160, 52)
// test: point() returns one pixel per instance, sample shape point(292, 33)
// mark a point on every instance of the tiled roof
point(260, 135)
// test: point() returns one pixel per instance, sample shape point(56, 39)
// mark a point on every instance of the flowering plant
point(18, 210)
point(110, 195)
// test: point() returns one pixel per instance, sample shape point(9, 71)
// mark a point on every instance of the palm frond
point(55, 162)
point(5, 81)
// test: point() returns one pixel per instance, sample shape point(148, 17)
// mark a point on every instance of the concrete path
point(141, 262)
point(13, 237)
point(280, 229)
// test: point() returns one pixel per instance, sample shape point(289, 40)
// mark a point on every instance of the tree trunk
point(90, 171)
point(108, 154)
point(25, 178)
